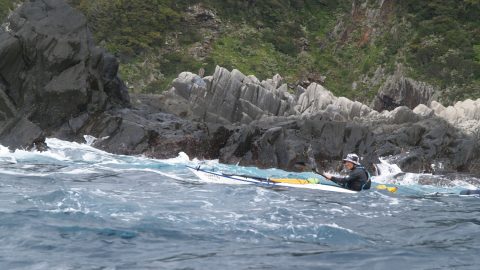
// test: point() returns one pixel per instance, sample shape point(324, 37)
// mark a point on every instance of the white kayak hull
point(221, 178)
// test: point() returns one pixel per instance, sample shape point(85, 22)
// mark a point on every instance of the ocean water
point(76, 207)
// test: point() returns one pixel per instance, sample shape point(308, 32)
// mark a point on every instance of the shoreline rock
point(52, 74)
point(420, 140)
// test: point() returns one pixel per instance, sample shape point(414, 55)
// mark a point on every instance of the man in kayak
point(358, 179)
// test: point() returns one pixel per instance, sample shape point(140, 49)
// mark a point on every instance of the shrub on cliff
point(5, 6)
point(130, 27)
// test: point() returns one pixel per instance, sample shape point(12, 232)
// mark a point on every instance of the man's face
point(349, 165)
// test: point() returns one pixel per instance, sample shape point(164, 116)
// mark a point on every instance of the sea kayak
point(223, 178)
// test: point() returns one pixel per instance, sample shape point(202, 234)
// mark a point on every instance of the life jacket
point(368, 183)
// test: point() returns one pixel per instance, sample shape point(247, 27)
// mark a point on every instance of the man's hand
point(326, 175)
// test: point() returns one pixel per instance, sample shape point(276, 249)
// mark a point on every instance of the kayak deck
point(221, 178)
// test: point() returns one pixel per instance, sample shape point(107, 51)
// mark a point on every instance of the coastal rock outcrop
point(399, 90)
point(154, 134)
point(55, 82)
point(51, 73)
point(227, 97)
point(419, 140)
point(465, 114)
point(231, 97)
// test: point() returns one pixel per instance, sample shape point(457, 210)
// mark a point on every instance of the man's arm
point(342, 180)
point(338, 180)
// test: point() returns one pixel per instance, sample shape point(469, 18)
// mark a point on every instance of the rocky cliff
point(55, 82)
point(51, 74)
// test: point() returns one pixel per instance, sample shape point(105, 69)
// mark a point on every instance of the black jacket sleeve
point(354, 180)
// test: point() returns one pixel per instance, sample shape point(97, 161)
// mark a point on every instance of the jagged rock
point(403, 114)
point(318, 99)
point(157, 135)
point(20, 133)
point(461, 111)
point(415, 142)
point(402, 91)
point(423, 111)
point(51, 72)
point(465, 115)
point(315, 99)
point(277, 127)
point(7, 109)
point(227, 97)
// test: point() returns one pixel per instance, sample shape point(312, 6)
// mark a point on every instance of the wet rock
point(20, 133)
point(158, 135)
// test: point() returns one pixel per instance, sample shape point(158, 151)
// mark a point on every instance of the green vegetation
point(5, 6)
point(436, 41)
point(130, 27)
point(444, 50)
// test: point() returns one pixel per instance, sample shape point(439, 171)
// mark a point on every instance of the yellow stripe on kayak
point(298, 181)
point(290, 181)
point(385, 187)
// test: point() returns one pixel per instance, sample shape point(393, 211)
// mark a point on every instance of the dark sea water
point(75, 207)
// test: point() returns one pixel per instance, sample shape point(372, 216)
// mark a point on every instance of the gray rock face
point(231, 97)
point(158, 135)
point(51, 71)
point(317, 99)
point(227, 97)
point(461, 111)
point(401, 91)
point(55, 82)
point(275, 127)
point(413, 144)
point(464, 115)
point(21, 130)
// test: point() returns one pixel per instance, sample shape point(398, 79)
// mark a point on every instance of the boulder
point(20, 133)
point(423, 111)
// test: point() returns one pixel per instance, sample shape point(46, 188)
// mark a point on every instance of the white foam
point(336, 226)
point(89, 139)
point(90, 157)
point(80, 171)
point(385, 168)
point(463, 184)
point(174, 176)
point(182, 158)
point(23, 173)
